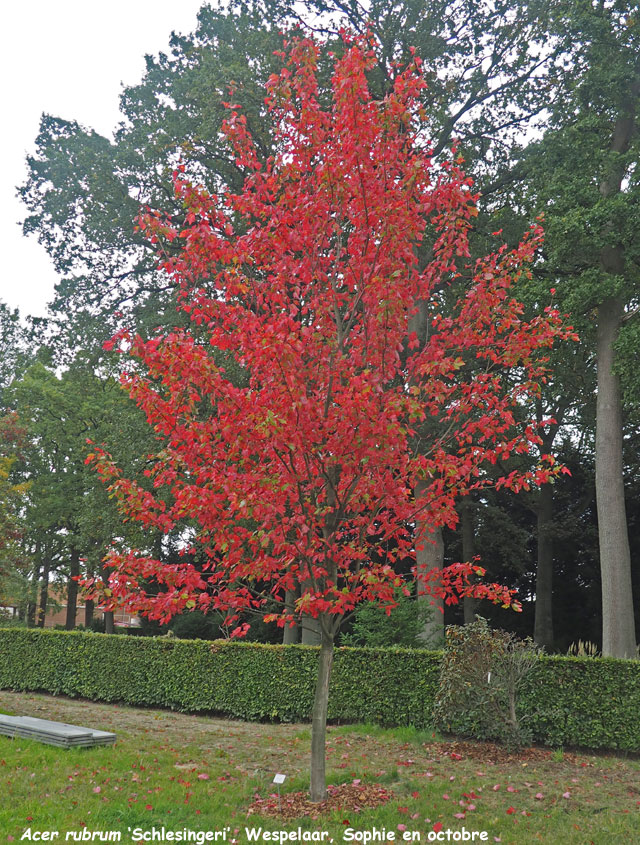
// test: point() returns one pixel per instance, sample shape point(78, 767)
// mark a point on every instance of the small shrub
point(97, 625)
point(12, 622)
point(482, 673)
point(372, 627)
point(196, 626)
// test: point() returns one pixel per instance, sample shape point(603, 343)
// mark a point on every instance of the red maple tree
point(304, 474)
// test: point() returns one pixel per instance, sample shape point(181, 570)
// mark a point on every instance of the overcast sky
point(68, 58)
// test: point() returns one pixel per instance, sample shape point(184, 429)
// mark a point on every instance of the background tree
point(68, 519)
point(587, 180)
point(15, 349)
point(84, 190)
point(493, 62)
point(12, 498)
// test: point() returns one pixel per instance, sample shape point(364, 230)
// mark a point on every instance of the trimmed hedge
point(585, 701)
point(245, 680)
point(594, 703)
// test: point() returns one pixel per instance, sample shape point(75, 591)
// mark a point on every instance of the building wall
point(57, 615)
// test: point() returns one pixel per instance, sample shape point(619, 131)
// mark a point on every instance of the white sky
point(68, 58)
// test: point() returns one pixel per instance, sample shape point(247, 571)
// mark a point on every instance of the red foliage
point(305, 473)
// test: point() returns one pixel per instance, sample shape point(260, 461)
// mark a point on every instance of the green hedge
point(245, 680)
point(585, 701)
point(594, 703)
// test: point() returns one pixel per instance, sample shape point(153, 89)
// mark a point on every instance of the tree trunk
point(31, 615)
point(318, 790)
point(310, 627)
point(44, 594)
point(543, 624)
point(429, 540)
point(311, 634)
point(291, 633)
point(88, 612)
point(32, 603)
point(429, 556)
point(72, 590)
point(618, 626)
point(467, 524)
point(33, 597)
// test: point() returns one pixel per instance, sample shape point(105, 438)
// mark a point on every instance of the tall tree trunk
point(31, 615)
point(310, 628)
point(543, 624)
point(318, 791)
point(88, 612)
point(72, 590)
point(44, 594)
point(428, 538)
point(311, 634)
point(618, 626)
point(429, 556)
point(467, 524)
point(291, 633)
point(33, 593)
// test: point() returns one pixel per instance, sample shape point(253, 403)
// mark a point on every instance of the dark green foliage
point(482, 674)
point(15, 350)
point(84, 191)
point(97, 625)
point(568, 701)
point(373, 627)
point(68, 516)
point(260, 631)
point(506, 540)
point(196, 626)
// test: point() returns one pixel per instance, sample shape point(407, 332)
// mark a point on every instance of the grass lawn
point(189, 774)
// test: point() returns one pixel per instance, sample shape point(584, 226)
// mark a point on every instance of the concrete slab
point(60, 734)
